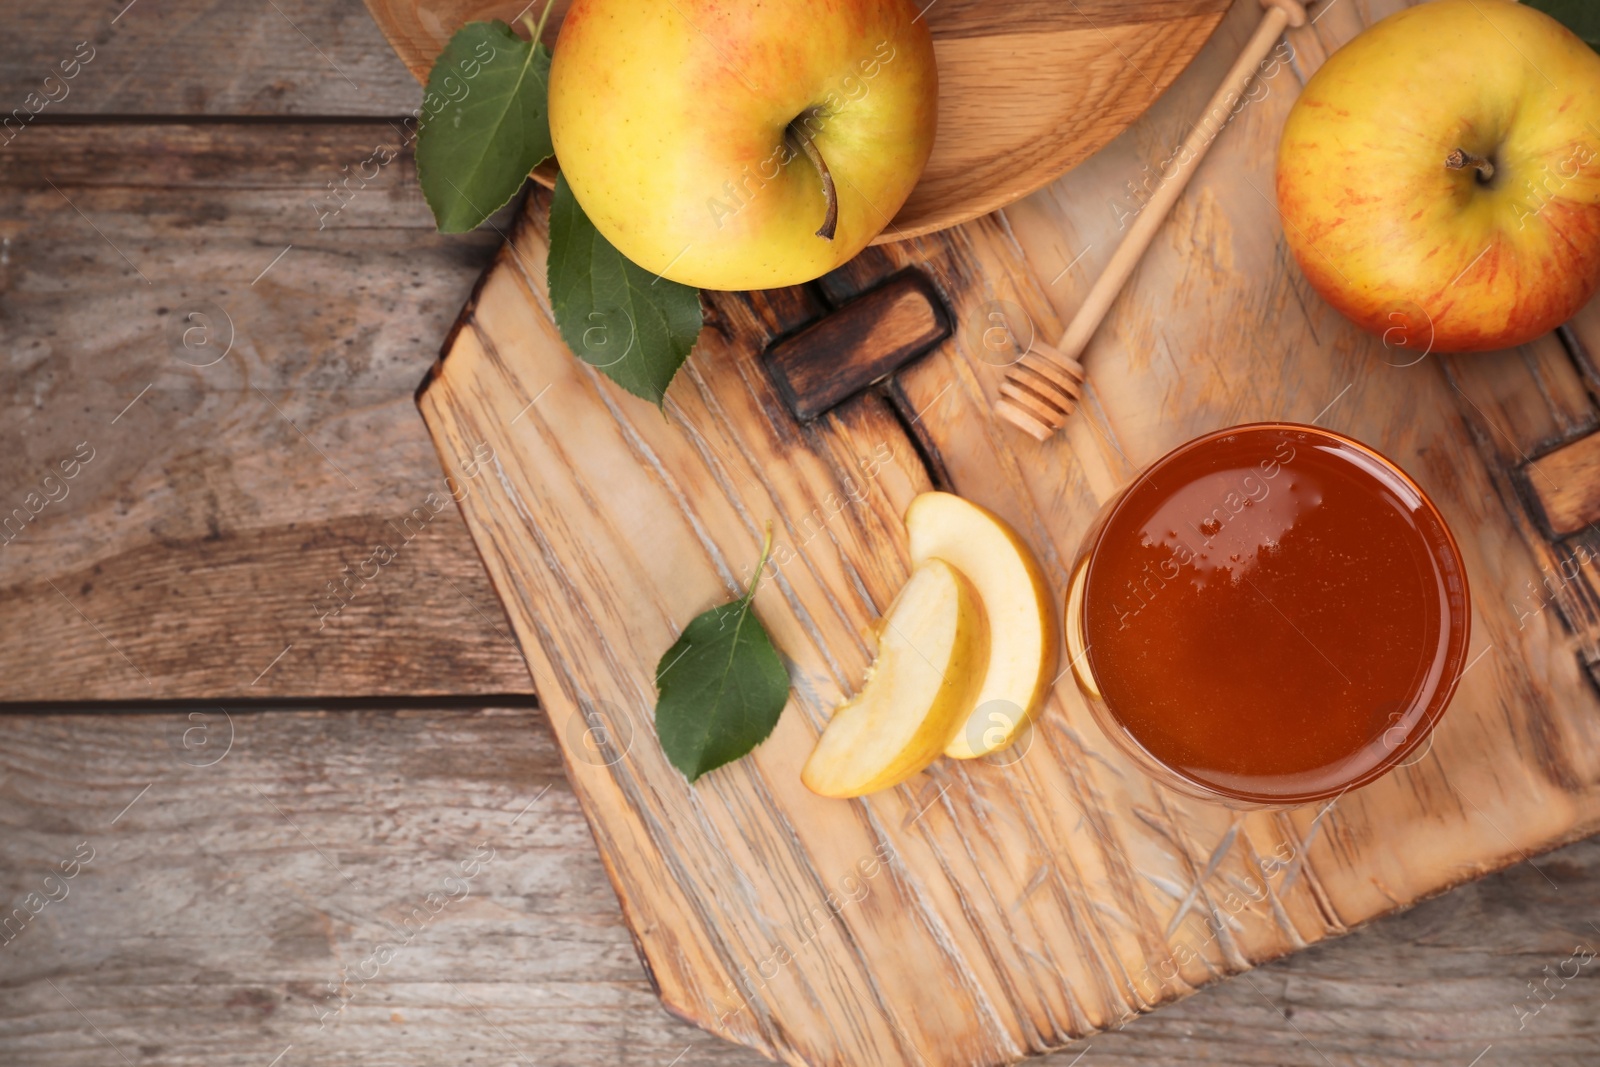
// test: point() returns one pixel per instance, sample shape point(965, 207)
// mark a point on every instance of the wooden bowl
point(1027, 88)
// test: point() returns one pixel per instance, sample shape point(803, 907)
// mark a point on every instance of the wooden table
point(301, 835)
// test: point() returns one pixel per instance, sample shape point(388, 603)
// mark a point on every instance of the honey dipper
point(1043, 388)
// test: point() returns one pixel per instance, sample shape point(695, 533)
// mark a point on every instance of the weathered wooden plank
point(226, 365)
point(190, 57)
point(208, 932)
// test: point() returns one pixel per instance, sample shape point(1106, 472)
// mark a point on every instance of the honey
point(1270, 615)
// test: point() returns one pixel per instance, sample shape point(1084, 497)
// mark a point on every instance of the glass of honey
point(1270, 615)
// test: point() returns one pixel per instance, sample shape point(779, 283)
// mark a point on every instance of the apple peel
point(1024, 630)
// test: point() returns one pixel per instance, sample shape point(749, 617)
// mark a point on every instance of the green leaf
point(635, 327)
point(721, 684)
point(1582, 17)
point(485, 123)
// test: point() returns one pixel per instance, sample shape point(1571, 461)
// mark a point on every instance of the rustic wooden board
point(206, 930)
point(1017, 907)
point(197, 545)
point(1027, 88)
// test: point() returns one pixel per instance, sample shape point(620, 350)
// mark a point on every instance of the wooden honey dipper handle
point(1043, 388)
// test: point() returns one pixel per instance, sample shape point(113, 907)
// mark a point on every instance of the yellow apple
point(742, 146)
point(933, 643)
point(1439, 177)
point(1023, 632)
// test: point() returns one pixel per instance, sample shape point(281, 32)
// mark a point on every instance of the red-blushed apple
point(734, 145)
point(1439, 177)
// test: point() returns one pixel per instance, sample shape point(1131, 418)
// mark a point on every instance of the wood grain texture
point(1566, 482)
point(1015, 908)
point(312, 58)
point(208, 932)
point(1026, 90)
point(1046, 384)
point(853, 346)
point(178, 953)
point(236, 495)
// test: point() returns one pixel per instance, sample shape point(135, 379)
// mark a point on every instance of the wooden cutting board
point(1027, 88)
point(992, 909)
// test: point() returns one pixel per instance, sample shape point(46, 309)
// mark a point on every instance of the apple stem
point(1461, 159)
point(830, 221)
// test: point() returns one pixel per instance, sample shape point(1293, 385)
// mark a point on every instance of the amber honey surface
point(1275, 613)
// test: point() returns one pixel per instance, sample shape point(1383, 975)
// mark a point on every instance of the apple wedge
point(933, 644)
point(1023, 641)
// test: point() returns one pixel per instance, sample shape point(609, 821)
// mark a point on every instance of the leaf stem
point(537, 29)
point(761, 564)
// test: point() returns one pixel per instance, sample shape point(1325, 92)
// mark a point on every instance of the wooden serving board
point(992, 909)
point(1027, 88)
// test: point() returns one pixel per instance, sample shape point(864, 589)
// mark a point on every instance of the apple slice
point(1023, 641)
point(933, 644)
